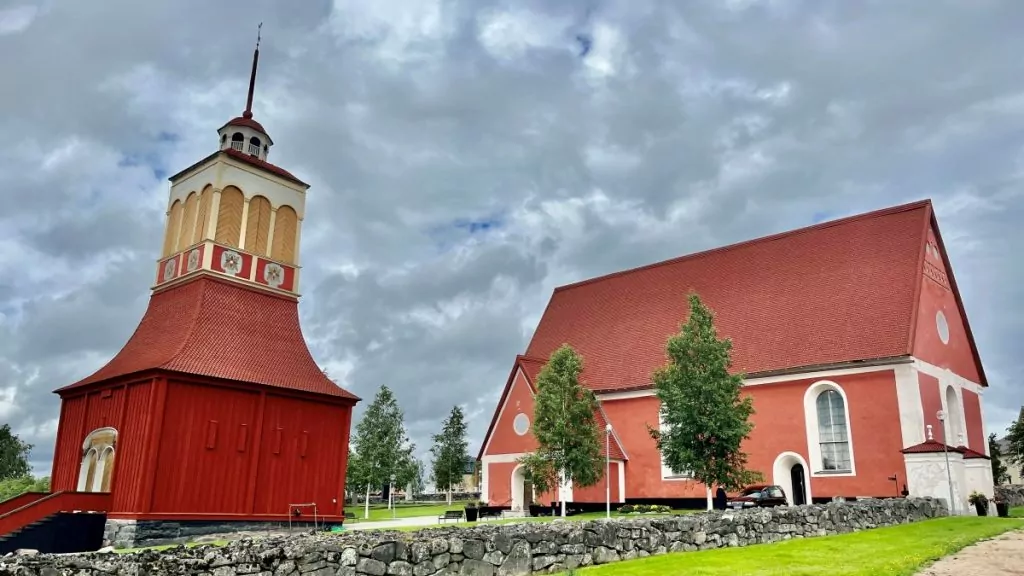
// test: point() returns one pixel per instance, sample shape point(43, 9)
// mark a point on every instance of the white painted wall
point(927, 477)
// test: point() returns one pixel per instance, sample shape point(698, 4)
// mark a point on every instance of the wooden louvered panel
point(203, 215)
point(285, 225)
point(229, 217)
point(257, 227)
point(173, 224)
point(188, 221)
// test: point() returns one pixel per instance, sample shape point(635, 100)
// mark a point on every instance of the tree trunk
point(449, 494)
point(366, 510)
point(709, 498)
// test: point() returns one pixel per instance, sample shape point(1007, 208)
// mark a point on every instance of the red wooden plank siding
point(192, 477)
point(69, 444)
point(129, 464)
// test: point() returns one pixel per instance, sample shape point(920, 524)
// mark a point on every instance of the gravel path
point(1000, 556)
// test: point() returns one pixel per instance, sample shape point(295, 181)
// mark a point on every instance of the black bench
point(450, 515)
point(489, 512)
point(349, 516)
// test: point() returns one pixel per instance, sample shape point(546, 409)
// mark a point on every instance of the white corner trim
point(811, 421)
point(818, 375)
point(501, 411)
point(622, 482)
point(908, 397)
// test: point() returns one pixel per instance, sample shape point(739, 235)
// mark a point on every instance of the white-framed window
point(666, 472)
point(829, 440)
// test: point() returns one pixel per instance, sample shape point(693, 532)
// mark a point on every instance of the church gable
point(942, 334)
point(511, 429)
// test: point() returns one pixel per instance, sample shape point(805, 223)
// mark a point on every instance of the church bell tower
point(234, 214)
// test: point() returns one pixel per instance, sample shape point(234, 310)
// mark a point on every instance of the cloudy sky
point(466, 157)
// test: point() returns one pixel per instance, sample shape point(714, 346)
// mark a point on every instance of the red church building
point(851, 336)
point(214, 415)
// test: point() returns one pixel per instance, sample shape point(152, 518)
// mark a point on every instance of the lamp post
point(941, 415)
point(607, 471)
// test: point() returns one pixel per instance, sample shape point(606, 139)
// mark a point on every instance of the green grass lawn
point(1017, 512)
point(380, 512)
point(893, 551)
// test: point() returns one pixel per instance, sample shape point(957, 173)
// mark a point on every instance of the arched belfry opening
point(98, 452)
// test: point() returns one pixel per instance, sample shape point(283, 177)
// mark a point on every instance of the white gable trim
point(945, 374)
point(512, 385)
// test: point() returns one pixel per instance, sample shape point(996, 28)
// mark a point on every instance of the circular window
point(942, 326)
point(521, 424)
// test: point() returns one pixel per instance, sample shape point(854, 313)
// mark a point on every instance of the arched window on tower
point(254, 146)
point(833, 433)
point(97, 469)
point(223, 139)
point(237, 140)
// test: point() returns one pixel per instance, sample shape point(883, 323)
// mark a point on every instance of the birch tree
point(450, 451)
point(382, 448)
point(564, 425)
point(705, 418)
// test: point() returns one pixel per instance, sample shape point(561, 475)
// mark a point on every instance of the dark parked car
point(759, 496)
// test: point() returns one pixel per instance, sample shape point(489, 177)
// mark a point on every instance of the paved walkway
point(1000, 556)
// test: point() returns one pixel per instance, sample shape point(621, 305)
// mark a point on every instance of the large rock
point(484, 550)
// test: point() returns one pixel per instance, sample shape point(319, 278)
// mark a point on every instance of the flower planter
point(471, 514)
point(981, 508)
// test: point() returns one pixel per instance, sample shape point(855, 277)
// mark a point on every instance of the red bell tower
point(214, 412)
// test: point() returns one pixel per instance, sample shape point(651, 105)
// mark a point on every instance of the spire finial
point(929, 428)
point(252, 77)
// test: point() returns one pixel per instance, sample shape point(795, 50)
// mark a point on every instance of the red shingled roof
point(931, 447)
point(272, 168)
point(971, 454)
point(247, 123)
point(828, 294)
point(211, 327)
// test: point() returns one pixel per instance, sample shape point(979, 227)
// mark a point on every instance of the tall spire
point(252, 77)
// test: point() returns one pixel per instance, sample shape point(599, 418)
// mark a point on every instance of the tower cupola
point(244, 134)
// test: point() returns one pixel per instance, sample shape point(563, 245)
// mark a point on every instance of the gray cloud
point(467, 157)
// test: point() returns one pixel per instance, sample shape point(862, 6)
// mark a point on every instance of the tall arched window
point(229, 217)
point(954, 423)
point(830, 450)
point(833, 432)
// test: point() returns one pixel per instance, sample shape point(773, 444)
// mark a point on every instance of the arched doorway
point(522, 489)
point(790, 472)
point(796, 478)
point(96, 473)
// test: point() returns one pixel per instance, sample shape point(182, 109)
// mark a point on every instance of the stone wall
point(1013, 494)
point(487, 550)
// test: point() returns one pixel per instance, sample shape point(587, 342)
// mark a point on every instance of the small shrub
point(626, 509)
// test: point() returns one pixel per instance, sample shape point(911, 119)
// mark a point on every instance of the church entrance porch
point(790, 472)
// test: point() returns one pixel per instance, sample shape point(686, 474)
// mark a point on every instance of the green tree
point(11, 487)
point(353, 476)
point(450, 451)
point(704, 416)
point(1015, 440)
point(1000, 475)
point(383, 452)
point(13, 455)
point(568, 439)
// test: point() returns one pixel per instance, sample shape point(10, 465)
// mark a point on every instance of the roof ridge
point(916, 205)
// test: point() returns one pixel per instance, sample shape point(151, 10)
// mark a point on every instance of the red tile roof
point(930, 447)
point(251, 160)
point(531, 368)
point(246, 123)
point(971, 454)
point(263, 164)
point(837, 292)
point(211, 327)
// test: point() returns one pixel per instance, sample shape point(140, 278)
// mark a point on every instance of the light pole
point(941, 415)
point(607, 471)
